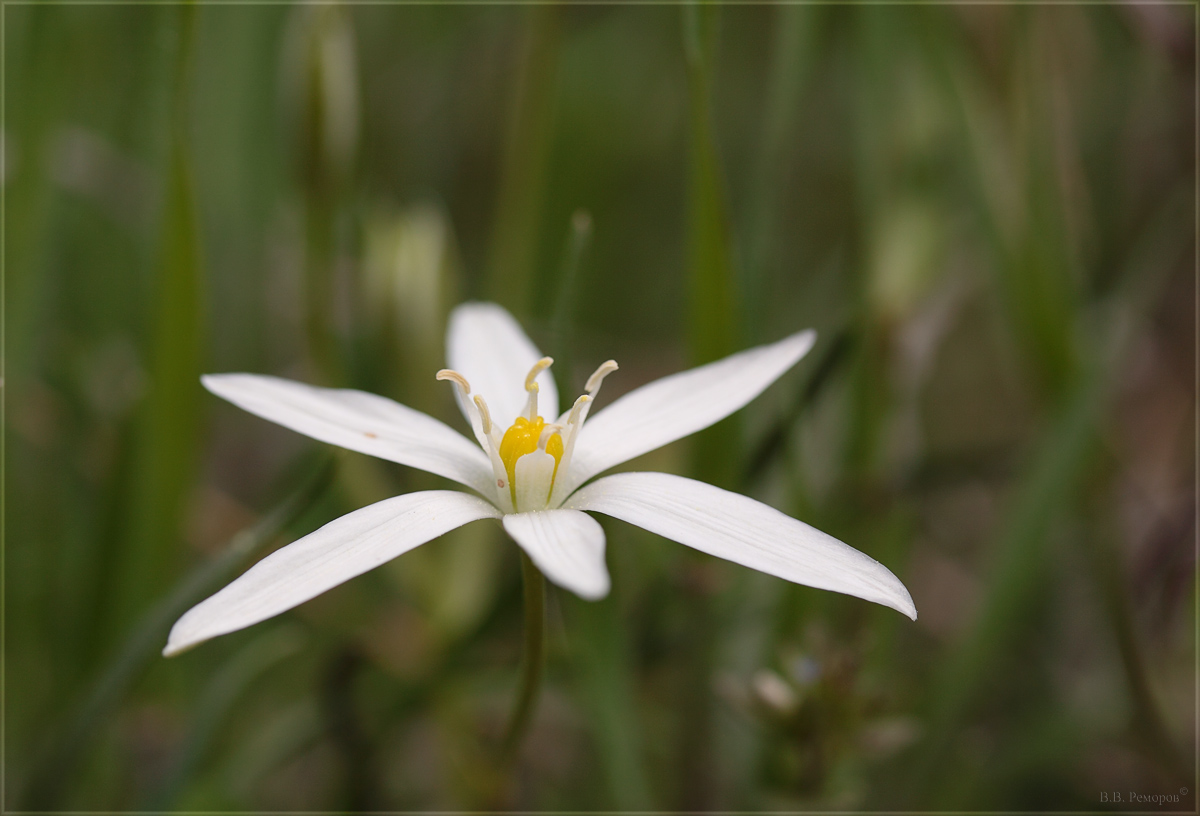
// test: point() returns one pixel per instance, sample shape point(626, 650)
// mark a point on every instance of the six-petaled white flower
point(531, 472)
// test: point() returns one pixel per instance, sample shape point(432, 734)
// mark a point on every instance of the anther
point(484, 414)
point(538, 367)
point(455, 377)
point(577, 408)
point(606, 368)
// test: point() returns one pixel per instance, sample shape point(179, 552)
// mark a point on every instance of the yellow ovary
point(522, 438)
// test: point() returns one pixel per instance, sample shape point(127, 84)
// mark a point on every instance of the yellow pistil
point(522, 438)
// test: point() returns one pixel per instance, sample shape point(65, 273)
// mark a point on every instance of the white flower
point(531, 474)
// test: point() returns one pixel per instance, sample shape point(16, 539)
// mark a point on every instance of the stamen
point(531, 407)
point(454, 376)
point(579, 412)
point(593, 383)
point(578, 415)
point(485, 432)
point(577, 409)
point(538, 367)
point(531, 404)
point(484, 414)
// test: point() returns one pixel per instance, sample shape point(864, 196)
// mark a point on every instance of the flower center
point(526, 478)
point(522, 438)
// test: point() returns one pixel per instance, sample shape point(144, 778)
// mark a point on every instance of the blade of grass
point(47, 780)
point(329, 143)
point(214, 706)
point(1049, 488)
point(38, 69)
point(167, 448)
point(777, 440)
point(604, 677)
point(1020, 577)
point(792, 56)
point(712, 333)
point(712, 290)
point(562, 321)
point(515, 226)
point(1021, 213)
point(339, 705)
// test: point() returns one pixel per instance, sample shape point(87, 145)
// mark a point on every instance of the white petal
point(485, 344)
point(744, 531)
point(681, 404)
point(342, 549)
point(362, 422)
point(567, 546)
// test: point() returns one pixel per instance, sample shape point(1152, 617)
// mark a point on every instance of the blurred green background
point(988, 213)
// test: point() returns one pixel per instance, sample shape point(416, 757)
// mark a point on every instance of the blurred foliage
point(988, 213)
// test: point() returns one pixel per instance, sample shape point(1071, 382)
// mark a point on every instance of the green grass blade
point(792, 55)
point(216, 703)
point(515, 226)
point(712, 290)
point(605, 682)
point(145, 641)
point(562, 320)
point(1022, 576)
point(168, 445)
point(712, 333)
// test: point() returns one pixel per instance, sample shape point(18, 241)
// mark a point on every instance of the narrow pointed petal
point(567, 546)
point(742, 530)
point(679, 405)
point(361, 422)
point(342, 549)
point(486, 345)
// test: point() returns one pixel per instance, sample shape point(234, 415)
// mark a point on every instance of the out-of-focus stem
point(562, 319)
point(511, 270)
point(328, 145)
point(712, 333)
point(791, 61)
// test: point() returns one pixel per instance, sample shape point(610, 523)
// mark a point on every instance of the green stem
point(533, 658)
